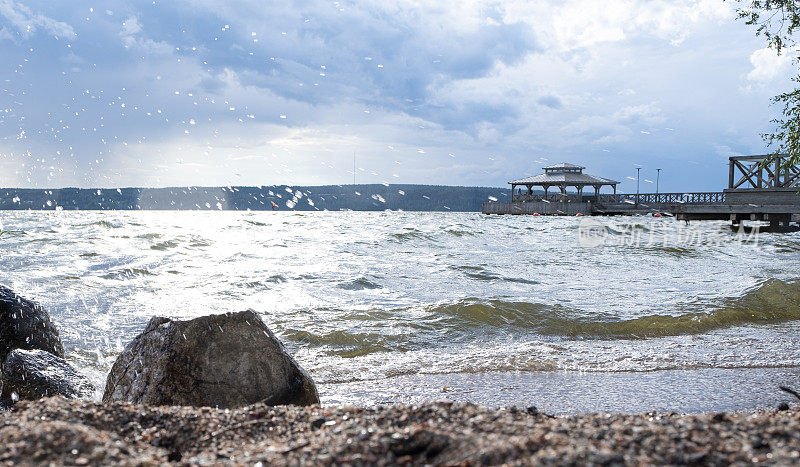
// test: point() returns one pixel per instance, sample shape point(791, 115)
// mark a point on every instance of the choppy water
point(363, 299)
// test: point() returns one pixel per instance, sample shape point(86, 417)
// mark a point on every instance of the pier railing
point(550, 198)
point(766, 172)
point(663, 198)
point(626, 198)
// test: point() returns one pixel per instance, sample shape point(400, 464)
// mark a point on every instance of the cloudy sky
point(473, 92)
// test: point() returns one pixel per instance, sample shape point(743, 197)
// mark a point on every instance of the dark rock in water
point(228, 360)
point(24, 324)
point(33, 374)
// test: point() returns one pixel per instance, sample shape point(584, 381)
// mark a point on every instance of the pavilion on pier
point(561, 176)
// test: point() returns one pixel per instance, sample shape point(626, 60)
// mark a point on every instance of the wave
point(519, 280)
point(163, 246)
point(773, 301)
point(481, 274)
point(127, 273)
point(627, 229)
point(13, 233)
point(275, 279)
point(461, 233)
point(350, 344)
point(362, 283)
point(265, 283)
point(469, 320)
point(106, 224)
point(149, 236)
point(676, 251)
point(409, 234)
point(786, 248)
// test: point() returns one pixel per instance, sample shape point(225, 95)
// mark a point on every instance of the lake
point(384, 307)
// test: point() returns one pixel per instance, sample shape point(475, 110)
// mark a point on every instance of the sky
point(217, 93)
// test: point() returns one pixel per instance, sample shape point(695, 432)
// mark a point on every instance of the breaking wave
point(773, 301)
point(472, 319)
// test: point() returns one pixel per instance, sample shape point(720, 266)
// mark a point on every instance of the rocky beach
point(71, 432)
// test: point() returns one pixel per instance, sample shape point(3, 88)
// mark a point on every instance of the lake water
point(386, 307)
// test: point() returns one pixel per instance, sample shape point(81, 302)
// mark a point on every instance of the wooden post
point(760, 177)
point(730, 173)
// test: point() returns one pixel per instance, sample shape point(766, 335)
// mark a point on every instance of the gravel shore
point(69, 432)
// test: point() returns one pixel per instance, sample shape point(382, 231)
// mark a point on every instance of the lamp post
point(658, 175)
point(637, 184)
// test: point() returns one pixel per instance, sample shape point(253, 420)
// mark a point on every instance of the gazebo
point(562, 176)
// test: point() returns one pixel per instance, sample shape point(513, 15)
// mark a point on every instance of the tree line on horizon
point(266, 198)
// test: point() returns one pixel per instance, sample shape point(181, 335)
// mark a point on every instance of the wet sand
point(80, 433)
point(574, 392)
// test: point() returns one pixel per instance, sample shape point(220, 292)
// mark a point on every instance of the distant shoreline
point(368, 197)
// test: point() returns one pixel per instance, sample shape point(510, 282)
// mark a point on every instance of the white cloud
point(768, 65)
point(572, 24)
point(130, 27)
point(644, 114)
point(27, 22)
point(131, 37)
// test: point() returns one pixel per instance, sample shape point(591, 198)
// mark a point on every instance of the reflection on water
point(365, 296)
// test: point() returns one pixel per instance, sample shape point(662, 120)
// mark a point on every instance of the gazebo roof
point(564, 174)
point(563, 165)
point(572, 179)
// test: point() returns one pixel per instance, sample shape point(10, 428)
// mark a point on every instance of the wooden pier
point(604, 204)
point(756, 192)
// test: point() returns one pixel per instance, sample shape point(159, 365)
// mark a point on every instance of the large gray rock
point(25, 325)
point(33, 374)
point(226, 361)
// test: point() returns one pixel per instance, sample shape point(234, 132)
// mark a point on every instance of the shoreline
point(688, 391)
point(61, 431)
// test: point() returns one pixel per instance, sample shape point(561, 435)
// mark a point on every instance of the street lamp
point(658, 175)
point(637, 184)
